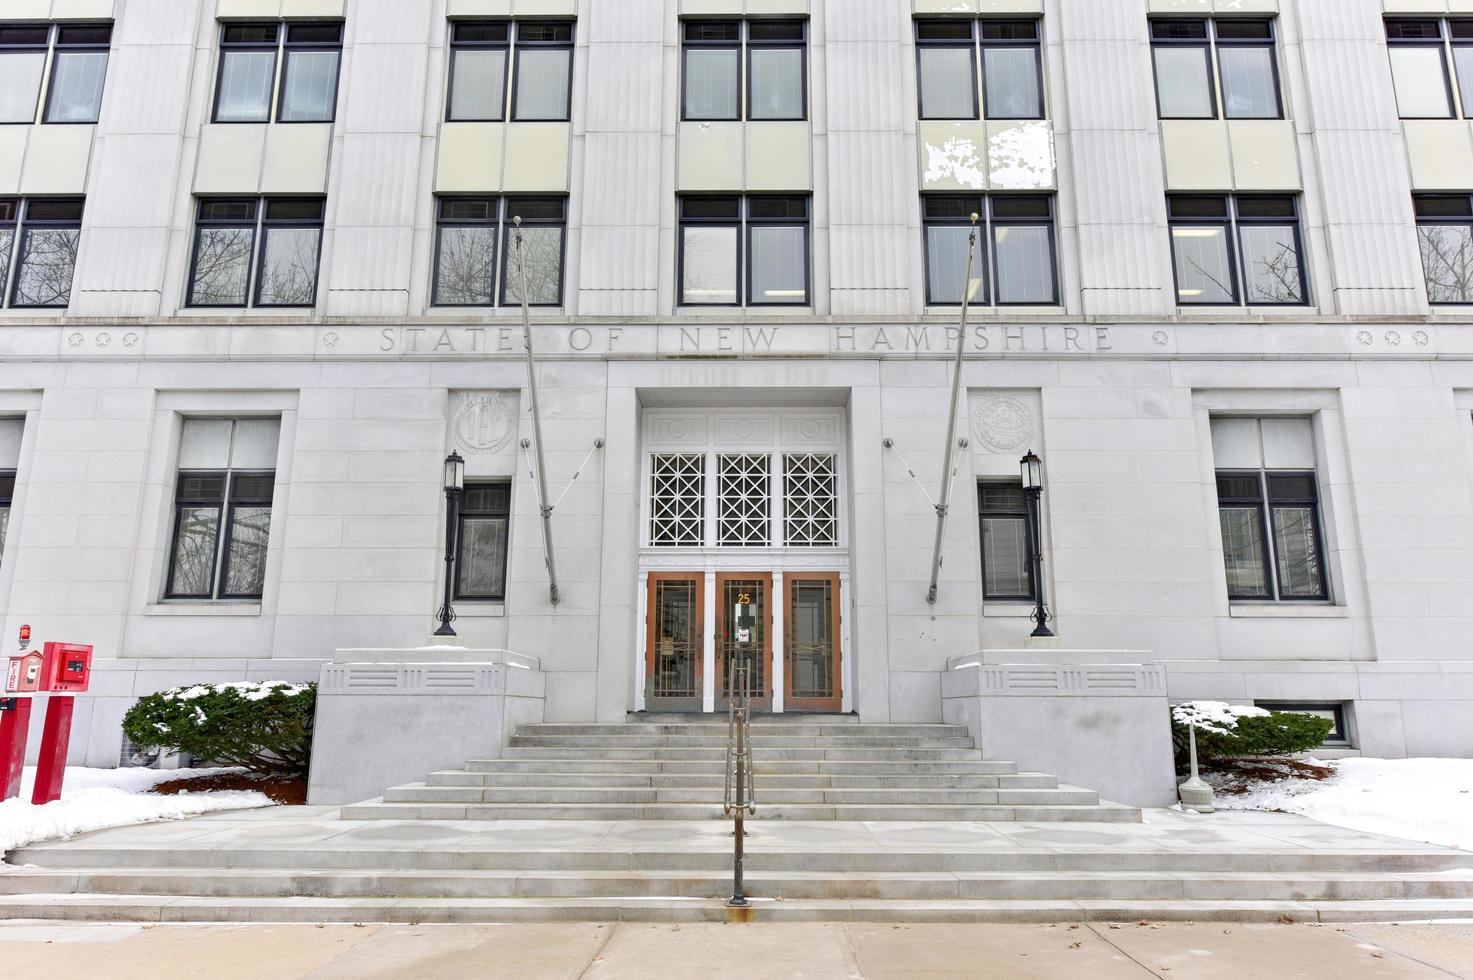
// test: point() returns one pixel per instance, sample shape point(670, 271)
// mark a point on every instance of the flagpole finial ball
point(975, 217)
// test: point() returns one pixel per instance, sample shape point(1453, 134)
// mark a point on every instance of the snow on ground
point(95, 799)
point(1420, 799)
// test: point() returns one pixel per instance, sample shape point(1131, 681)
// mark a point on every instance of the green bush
point(266, 728)
point(1271, 733)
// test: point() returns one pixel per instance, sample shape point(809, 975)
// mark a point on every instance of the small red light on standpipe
point(25, 632)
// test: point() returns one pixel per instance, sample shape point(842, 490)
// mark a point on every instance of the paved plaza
point(816, 951)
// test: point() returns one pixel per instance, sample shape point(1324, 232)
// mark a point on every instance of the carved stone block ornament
point(484, 424)
point(1003, 424)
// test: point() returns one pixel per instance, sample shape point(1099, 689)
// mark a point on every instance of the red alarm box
point(24, 673)
point(66, 667)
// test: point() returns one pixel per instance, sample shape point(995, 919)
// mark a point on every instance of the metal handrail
point(739, 796)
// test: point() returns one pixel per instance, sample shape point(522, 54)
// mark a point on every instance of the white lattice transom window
point(810, 500)
point(678, 499)
point(743, 499)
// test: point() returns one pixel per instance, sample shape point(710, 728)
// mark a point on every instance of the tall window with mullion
point(11, 433)
point(465, 251)
point(222, 509)
point(544, 71)
point(1009, 52)
point(1268, 508)
point(1012, 69)
point(1218, 240)
point(777, 251)
point(544, 220)
point(1245, 83)
point(1015, 249)
point(479, 58)
point(38, 250)
point(79, 55)
point(480, 565)
point(713, 56)
point(946, 68)
point(229, 270)
point(711, 53)
point(1418, 48)
point(247, 86)
point(776, 70)
point(1007, 569)
point(467, 256)
point(737, 251)
point(1445, 239)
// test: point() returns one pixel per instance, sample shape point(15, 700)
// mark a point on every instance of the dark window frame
point(983, 513)
point(225, 506)
point(1338, 737)
point(744, 85)
point(722, 44)
point(41, 111)
point(1442, 43)
point(735, 223)
point(1265, 501)
point(1212, 44)
point(1232, 221)
point(984, 204)
point(24, 225)
point(502, 513)
point(748, 250)
point(1463, 220)
point(259, 224)
point(457, 45)
point(978, 44)
point(7, 504)
point(95, 47)
point(502, 228)
point(519, 44)
point(282, 47)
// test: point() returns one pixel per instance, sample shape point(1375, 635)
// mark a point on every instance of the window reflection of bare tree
point(47, 264)
point(194, 558)
point(1447, 259)
point(467, 266)
point(7, 238)
point(289, 267)
point(249, 531)
point(1274, 278)
point(544, 260)
point(222, 263)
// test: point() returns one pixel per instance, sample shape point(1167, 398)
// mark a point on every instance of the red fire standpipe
point(56, 735)
point(15, 726)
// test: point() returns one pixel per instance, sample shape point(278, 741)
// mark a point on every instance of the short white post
point(1195, 793)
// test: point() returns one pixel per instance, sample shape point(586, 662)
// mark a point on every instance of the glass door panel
point(748, 639)
point(674, 646)
point(812, 649)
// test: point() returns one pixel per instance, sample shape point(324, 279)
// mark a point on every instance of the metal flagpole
point(956, 388)
point(542, 503)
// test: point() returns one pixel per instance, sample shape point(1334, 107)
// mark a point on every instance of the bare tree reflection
point(222, 265)
point(48, 260)
point(544, 267)
point(467, 266)
point(1447, 260)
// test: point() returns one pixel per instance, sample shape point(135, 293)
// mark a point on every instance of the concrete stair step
point(380, 809)
point(370, 848)
point(761, 754)
point(767, 765)
point(705, 884)
point(422, 793)
point(760, 730)
point(759, 743)
point(758, 718)
point(765, 780)
point(148, 908)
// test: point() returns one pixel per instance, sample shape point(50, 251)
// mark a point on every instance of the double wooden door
point(676, 636)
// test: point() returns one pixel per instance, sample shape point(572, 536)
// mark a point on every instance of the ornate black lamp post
point(454, 484)
point(1032, 468)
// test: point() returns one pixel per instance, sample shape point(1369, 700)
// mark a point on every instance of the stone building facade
point(262, 277)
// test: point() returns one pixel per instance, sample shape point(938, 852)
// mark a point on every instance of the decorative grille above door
point(810, 500)
point(744, 499)
point(678, 499)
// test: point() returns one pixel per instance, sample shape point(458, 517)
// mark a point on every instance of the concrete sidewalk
point(874, 951)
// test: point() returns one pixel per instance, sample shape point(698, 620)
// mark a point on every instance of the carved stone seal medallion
point(483, 424)
point(1003, 424)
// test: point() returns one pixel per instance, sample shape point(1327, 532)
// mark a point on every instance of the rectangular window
point(222, 509)
point(480, 566)
point(11, 431)
point(544, 71)
point(1445, 239)
point(1015, 262)
point(1219, 241)
point(1245, 82)
point(1268, 508)
point(466, 250)
point(744, 251)
point(774, 53)
point(999, 60)
point(1007, 567)
point(479, 56)
point(73, 93)
point(1418, 49)
point(1335, 711)
point(38, 250)
point(305, 89)
point(229, 268)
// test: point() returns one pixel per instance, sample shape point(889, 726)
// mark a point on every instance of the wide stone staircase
point(616, 822)
point(815, 767)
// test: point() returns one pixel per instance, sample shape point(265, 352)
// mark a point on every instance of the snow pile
point(1419, 799)
point(1214, 716)
point(96, 799)
point(249, 690)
